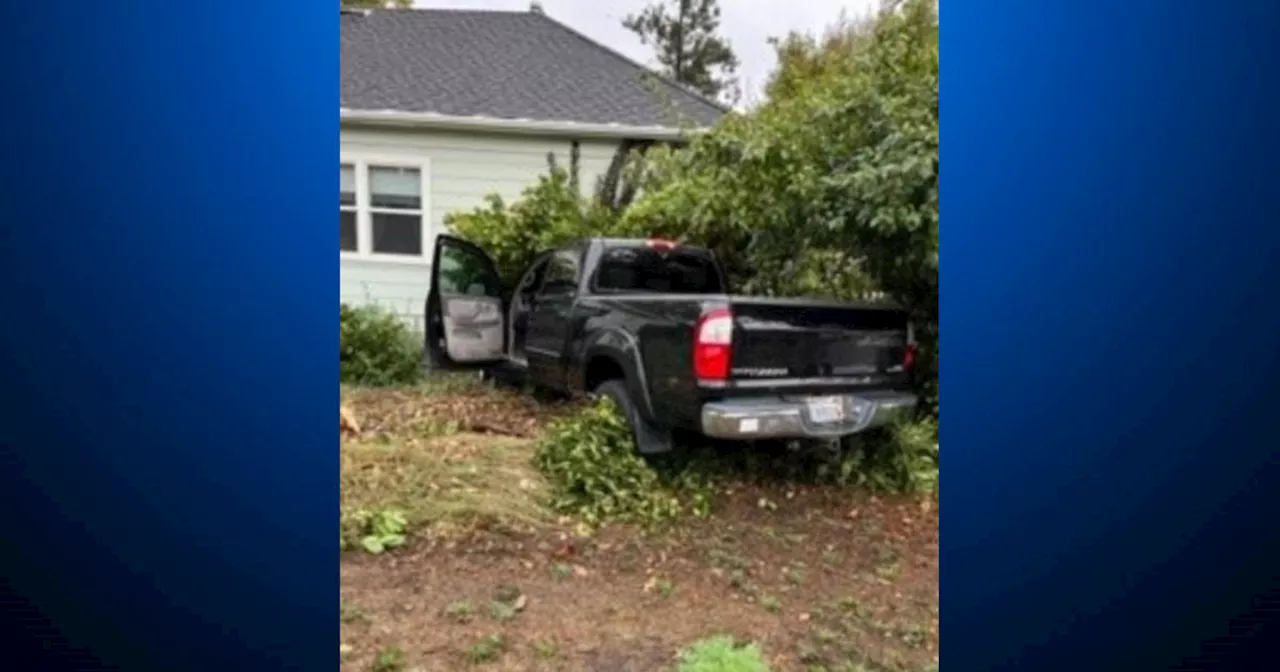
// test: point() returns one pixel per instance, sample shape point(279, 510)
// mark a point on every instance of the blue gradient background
point(170, 467)
point(1110, 319)
point(1109, 275)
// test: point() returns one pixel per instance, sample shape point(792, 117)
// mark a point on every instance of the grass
point(486, 649)
point(889, 570)
point(771, 604)
point(460, 611)
point(447, 454)
point(722, 654)
point(546, 649)
point(389, 659)
point(507, 592)
point(351, 613)
point(446, 481)
point(502, 611)
point(437, 384)
point(508, 601)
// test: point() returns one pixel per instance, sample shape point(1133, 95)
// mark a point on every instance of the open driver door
point(466, 318)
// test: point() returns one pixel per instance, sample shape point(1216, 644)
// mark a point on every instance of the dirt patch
point(820, 581)
point(445, 404)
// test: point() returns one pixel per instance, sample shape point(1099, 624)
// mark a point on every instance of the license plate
point(826, 409)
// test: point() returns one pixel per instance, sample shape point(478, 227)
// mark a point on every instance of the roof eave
point(429, 120)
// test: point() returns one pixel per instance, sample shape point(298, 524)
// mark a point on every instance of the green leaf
point(372, 544)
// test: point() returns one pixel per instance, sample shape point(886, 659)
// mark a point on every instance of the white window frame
point(354, 207)
point(364, 209)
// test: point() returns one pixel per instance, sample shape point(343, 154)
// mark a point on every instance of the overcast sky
point(748, 24)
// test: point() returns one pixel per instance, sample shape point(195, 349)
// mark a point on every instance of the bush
point(722, 654)
point(377, 348)
point(549, 213)
point(901, 460)
point(595, 473)
point(373, 531)
point(589, 459)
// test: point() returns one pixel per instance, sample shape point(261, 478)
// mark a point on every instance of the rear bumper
point(779, 418)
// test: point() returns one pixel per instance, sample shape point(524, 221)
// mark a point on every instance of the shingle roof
point(506, 65)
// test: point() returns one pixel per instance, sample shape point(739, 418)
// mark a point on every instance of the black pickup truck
point(651, 324)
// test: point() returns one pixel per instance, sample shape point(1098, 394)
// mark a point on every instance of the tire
point(648, 439)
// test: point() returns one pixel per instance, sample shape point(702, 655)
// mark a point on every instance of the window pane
point(630, 269)
point(347, 186)
point(463, 271)
point(395, 187)
point(347, 230)
point(562, 273)
point(397, 234)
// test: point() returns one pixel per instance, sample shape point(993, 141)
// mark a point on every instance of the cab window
point(562, 275)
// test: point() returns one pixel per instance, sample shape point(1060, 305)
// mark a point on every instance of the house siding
point(464, 168)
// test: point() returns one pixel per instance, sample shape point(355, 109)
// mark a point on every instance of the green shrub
point(549, 213)
point(373, 531)
point(389, 659)
point(900, 459)
point(377, 348)
point(486, 648)
point(589, 459)
point(722, 654)
point(596, 474)
point(903, 459)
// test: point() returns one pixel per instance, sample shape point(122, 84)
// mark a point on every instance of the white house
point(442, 107)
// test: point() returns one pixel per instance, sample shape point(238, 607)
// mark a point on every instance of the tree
point(831, 186)
point(683, 35)
point(804, 58)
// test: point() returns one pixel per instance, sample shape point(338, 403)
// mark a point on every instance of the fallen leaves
point(410, 412)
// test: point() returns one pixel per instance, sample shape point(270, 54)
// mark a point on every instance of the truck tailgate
point(817, 341)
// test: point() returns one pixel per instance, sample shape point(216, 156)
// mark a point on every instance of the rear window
point(642, 270)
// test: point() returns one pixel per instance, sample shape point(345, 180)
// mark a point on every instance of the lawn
point(820, 578)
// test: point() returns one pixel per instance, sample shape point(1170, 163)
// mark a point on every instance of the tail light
point(713, 345)
point(909, 353)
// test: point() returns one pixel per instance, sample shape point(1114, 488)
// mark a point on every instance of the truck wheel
point(649, 440)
